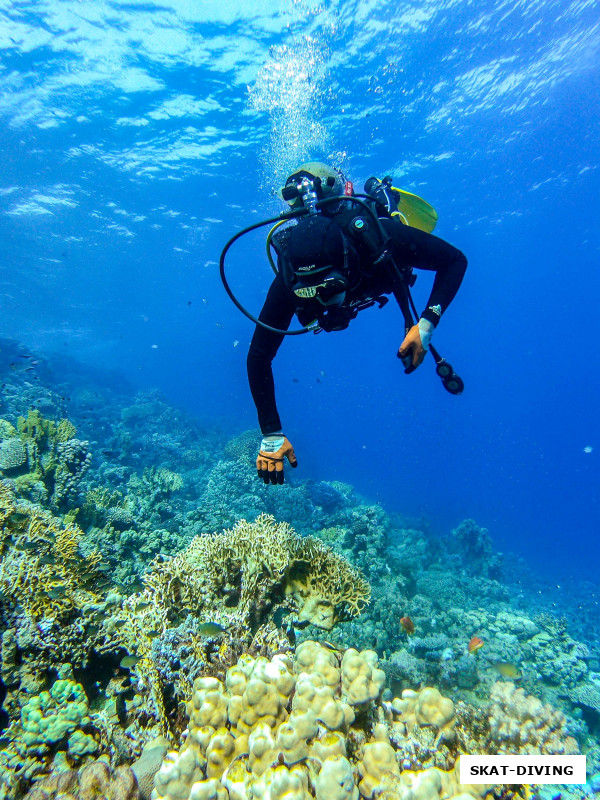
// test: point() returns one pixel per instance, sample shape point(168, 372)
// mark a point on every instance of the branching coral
point(41, 455)
point(42, 569)
point(245, 573)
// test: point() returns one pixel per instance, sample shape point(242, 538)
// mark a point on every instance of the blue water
point(137, 137)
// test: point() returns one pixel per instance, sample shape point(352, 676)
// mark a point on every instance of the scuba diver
point(337, 253)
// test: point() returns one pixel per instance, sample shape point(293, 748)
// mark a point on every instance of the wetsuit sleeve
point(414, 248)
point(277, 311)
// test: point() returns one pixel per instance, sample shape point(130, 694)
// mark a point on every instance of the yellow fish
point(508, 670)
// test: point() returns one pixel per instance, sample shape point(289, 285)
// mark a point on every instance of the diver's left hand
point(415, 345)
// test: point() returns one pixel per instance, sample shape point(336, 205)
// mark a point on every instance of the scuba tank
point(379, 196)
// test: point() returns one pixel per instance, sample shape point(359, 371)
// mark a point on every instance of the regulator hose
point(285, 217)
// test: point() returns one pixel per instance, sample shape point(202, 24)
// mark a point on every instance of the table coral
point(240, 572)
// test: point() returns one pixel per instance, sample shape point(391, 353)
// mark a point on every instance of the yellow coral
point(313, 657)
point(241, 570)
point(266, 750)
point(362, 680)
point(44, 571)
point(35, 427)
point(209, 703)
point(7, 503)
point(336, 780)
point(312, 694)
point(326, 587)
point(294, 735)
point(379, 759)
point(65, 430)
point(220, 752)
point(426, 707)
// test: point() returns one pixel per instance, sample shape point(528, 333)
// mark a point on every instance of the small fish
point(103, 567)
point(408, 625)
point(279, 616)
point(47, 560)
point(295, 380)
point(328, 646)
point(129, 661)
point(130, 588)
point(508, 670)
point(57, 592)
point(143, 605)
point(475, 644)
point(27, 546)
point(152, 634)
point(211, 629)
point(119, 623)
point(92, 630)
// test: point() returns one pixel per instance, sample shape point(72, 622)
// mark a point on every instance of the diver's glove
point(415, 345)
point(383, 194)
point(269, 463)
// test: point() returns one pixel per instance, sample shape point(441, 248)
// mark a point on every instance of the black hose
point(288, 215)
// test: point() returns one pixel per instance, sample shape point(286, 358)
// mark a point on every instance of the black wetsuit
point(410, 247)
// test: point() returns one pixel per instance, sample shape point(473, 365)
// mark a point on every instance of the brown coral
point(96, 780)
point(521, 723)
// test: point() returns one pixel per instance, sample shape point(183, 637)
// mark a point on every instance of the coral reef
point(520, 723)
point(243, 575)
point(96, 780)
point(301, 727)
point(111, 580)
point(42, 459)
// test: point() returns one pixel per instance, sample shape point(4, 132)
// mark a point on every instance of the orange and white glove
point(269, 464)
point(415, 345)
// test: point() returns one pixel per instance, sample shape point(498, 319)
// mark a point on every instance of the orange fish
point(408, 625)
point(475, 644)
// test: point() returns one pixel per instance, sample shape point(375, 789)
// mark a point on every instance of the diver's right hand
point(269, 464)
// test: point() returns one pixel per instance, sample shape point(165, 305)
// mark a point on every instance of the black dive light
point(451, 382)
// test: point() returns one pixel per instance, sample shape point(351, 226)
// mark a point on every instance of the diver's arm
point(277, 311)
point(414, 248)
